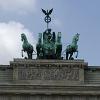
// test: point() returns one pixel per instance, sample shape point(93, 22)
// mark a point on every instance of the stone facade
point(49, 80)
point(55, 72)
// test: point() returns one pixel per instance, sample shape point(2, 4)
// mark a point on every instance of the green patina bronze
point(72, 48)
point(58, 46)
point(27, 47)
point(50, 47)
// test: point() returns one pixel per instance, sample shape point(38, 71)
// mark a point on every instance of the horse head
point(23, 37)
point(77, 37)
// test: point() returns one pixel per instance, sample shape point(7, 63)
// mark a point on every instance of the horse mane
point(24, 36)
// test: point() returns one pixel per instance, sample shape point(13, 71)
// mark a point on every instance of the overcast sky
point(68, 17)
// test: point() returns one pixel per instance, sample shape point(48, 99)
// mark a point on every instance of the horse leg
point(77, 54)
point(67, 55)
point(22, 53)
point(27, 56)
point(31, 56)
point(70, 56)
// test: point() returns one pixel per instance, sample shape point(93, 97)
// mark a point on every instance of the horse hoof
point(72, 58)
point(25, 58)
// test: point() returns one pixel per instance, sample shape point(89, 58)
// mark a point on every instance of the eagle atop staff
point(48, 12)
point(47, 18)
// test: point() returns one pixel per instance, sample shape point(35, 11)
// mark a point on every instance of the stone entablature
point(49, 72)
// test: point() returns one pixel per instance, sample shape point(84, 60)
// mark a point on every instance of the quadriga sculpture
point(48, 47)
point(72, 48)
point(27, 47)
